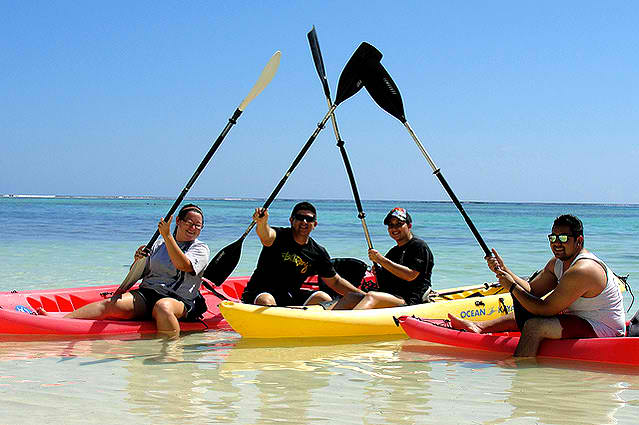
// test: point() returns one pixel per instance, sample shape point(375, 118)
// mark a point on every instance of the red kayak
point(619, 350)
point(18, 312)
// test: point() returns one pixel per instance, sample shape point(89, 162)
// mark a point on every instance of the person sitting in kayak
point(171, 280)
point(289, 255)
point(575, 296)
point(404, 273)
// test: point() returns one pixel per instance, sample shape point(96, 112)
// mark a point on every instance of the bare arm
point(580, 280)
point(265, 232)
point(401, 271)
point(178, 258)
point(340, 285)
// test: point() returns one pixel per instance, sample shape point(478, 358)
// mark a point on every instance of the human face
point(303, 222)
point(565, 250)
point(399, 231)
point(189, 228)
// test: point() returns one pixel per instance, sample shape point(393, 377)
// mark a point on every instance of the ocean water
point(218, 377)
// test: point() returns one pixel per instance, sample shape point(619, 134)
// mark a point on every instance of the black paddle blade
point(384, 91)
point(352, 78)
point(224, 262)
point(319, 62)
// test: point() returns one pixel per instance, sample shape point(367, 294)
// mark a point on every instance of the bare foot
point(41, 311)
point(462, 324)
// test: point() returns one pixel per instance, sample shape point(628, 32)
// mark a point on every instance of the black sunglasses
point(563, 238)
point(304, 217)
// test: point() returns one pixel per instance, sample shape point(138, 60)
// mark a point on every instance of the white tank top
point(604, 312)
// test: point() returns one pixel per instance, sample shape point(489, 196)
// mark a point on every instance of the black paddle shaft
point(198, 171)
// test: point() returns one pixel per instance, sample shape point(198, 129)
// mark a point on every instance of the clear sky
point(515, 101)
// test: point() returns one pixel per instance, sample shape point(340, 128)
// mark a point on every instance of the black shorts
point(145, 299)
point(290, 297)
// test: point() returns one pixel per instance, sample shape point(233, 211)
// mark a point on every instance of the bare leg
point(166, 313)
point(376, 299)
point(500, 324)
point(535, 330)
point(265, 299)
point(348, 301)
point(318, 297)
point(121, 308)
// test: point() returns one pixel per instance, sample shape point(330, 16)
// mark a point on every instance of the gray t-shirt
point(161, 275)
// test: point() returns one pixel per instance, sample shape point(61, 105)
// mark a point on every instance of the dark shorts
point(290, 297)
point(571, 326)
point(145, 299)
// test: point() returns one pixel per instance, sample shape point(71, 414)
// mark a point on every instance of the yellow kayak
point(471, 302)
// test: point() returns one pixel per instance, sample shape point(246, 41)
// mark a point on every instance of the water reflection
point(217, 377)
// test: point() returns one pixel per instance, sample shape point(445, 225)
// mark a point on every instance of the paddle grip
point(459, 206)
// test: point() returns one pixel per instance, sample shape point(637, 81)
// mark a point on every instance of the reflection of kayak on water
point(618, 350)
point(18, 312)
point(307, 354)
point(251, 321)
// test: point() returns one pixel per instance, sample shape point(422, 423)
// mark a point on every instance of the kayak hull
point(252, 321)
point(619, 350)
point(18, 312)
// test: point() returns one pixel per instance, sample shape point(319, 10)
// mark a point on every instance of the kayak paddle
point(385, 93)
point(350, 82)
point(319, 66)
point(136, 270)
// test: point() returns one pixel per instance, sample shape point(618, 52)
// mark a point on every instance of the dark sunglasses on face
point(563, 238)
point(306, 218)
point(395, 225)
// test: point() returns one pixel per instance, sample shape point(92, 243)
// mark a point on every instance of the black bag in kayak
point(351, 269)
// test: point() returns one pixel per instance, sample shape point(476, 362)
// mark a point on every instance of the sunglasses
point(563, 238)
point(395, 225)
point(306, 218)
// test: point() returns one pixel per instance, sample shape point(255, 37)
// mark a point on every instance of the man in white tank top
point(575, 296)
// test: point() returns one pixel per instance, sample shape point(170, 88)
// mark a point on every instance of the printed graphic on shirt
point(289, 257)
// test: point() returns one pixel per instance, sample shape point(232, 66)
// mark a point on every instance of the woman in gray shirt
point(169, 291)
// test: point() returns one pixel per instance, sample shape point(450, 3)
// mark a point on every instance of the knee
point(165, 308)
point(533, 328)
point(319, 296)
point(265, 299)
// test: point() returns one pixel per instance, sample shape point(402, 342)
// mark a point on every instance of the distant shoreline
point(239, 199)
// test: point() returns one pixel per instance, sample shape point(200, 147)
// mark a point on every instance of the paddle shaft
point(351, 178)
point(198, 171)
point(290, 170)
point(448, 190)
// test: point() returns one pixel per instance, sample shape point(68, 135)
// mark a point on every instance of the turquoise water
point(217, 377)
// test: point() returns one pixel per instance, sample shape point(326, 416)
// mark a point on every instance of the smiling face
point(189, 228)
point(399, 231)
point(566, 250)
point(303, 222)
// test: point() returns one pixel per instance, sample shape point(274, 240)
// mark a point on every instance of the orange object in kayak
point(616, 350)
point(18, 314)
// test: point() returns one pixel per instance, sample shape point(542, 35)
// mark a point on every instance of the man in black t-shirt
point(289, 255)
point(404, 273)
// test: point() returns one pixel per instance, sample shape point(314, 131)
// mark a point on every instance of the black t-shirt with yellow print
point(285, 265)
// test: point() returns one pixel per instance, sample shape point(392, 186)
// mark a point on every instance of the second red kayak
point(619, 350)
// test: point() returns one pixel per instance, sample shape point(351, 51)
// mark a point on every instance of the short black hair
point(304, 206)
point(575, 225)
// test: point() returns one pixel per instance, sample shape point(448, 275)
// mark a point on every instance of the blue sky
point(514, 101)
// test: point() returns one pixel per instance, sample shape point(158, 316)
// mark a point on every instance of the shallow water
point(218, 377)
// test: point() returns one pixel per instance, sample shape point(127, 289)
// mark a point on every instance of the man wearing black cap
point(289, 255)
point(404, 273)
